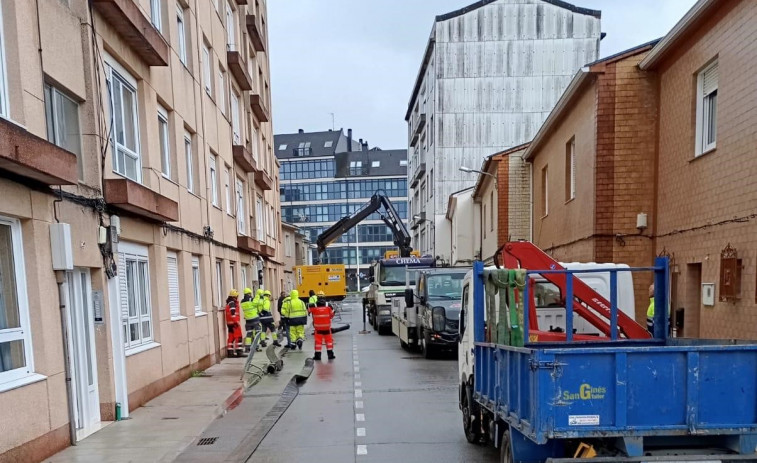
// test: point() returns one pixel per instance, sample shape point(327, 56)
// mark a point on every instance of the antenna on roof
point(333, 126)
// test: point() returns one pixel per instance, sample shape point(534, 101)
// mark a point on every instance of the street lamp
point(469, 170)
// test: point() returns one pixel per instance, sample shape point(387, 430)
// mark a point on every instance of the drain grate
point(207, 441)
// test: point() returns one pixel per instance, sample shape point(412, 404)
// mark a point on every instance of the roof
point(490, 160)
point(453, 199)
point(467, 9)
point(698, 13)
point(573, 90)
point(388, 163)
point(318, 141)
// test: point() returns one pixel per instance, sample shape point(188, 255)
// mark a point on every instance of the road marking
point(359, 417)
point(357, 369)
point(356, 362)
point(358, 404)
point(358, 384)
point(357, 376)
point(358, 393)
point(360, 432)
point(362, 450)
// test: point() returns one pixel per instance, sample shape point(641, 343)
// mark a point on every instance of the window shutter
point(124, 295)
point(710, 80)
point(173, 285)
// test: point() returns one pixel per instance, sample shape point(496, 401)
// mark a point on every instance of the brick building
point(593, 168)
point(706, 181)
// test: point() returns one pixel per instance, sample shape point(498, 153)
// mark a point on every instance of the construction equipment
point(329, 278)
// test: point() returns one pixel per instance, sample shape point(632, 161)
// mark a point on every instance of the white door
point(83, 354)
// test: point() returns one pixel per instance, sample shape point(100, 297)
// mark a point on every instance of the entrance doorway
point(83, 353)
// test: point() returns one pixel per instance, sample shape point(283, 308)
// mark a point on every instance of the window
point(270, 217)
point(255, 143)
point(287, 244)
point(328, 144)
point(62, 114)
point(156, 15)
point(356, 167)
point(233, 270)
point(165, 151)
point(544, 192)
point(431, 183)
point(707, 109)
point(3, 78)
point(570, 169)
point(227, 187)
point(491, 211)
point(303, 149)
point(219, 284)
point(375, 164)
point(245, 273)
point(123, 107)
point(305, 170)
point(134, 286)
point(230, 28)
point(259, 218)
point(282, 147)
point(214, 179)
point(16, 360)
point(172, 268)
point(241, 222)
point(423, 192)
point(403, 162)
point(182, 31)
point(206, 74)
point(221, 89)
point(235, 105)
point(196, 284)
point(190, 162)
point(483, 218)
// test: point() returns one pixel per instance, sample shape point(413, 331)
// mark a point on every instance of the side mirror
point(409, 297)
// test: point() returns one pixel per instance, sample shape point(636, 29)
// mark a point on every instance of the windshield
point(395, 276)
point(445, 286)
point(547, 295)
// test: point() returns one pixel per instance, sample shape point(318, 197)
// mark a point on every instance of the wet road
point(375, 403)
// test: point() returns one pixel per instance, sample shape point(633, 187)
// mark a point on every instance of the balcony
point(136, 29)
point(417, 222)
point(241, 2)
point(256, 33)
point(259, 108)
point(268, 251)
point(35, 158)
point(263, 180)
point(243, 158)
point(132, 197)
point(238, 69)
point(418, 174)
point(248, 243)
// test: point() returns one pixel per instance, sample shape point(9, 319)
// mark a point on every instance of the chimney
point(361, 142)
point(349, 140)
point(364, 146)
point(301, 131)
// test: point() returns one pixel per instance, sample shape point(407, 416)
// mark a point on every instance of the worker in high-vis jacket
point(313, 299)
point(296, 315)
point(251, 318)
point(266, 321)
point(322, 315)
point(234, 339)
point(650, 311)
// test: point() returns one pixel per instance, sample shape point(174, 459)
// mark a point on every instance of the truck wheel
point(383, 331)
point(505, 449)
point(403, 344)
point(471, 426)
point(426, 349)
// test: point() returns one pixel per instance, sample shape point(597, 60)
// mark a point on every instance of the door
point(83, 354)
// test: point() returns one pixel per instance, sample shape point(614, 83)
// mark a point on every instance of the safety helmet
point(321, 294)
point(247, 291)
point(267, 293)
point(233, 293)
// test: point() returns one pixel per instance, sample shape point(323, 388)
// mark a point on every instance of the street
point(375, 403)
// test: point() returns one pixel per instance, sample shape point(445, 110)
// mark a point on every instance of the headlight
point(385, 312)
point(438, 318)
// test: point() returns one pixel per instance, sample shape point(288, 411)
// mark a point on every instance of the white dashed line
point(362, 450)
point(360, 432)
point(359, 417)
point(358, 384)
point(358, 404)
point(357, 376)
point(357, 369)
point(358, 393)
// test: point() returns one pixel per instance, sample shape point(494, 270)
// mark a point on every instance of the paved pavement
point(375, 403)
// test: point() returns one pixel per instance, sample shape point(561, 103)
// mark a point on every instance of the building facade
point(160, 110)
point(490, 75)
point(327, 176)
point(296, 250)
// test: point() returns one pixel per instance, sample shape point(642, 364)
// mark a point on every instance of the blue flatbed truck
point(616, 399)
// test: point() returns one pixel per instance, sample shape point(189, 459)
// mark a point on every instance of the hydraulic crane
point(390, 217)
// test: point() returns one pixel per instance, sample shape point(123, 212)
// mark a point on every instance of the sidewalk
point(161, 429)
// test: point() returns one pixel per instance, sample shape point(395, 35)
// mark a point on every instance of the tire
point(470, 424)
point(505, 449)
point(403, 344)
point(426, 349)
point(383, 331)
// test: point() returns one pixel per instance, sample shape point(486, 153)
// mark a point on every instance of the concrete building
point(296, 249)
point(705, 217)
point(161, 113)
point(323, 180)
point(593, 165)
point(490, 75)
point(463, 218)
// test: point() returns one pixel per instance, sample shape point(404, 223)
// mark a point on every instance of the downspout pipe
point(60, 279)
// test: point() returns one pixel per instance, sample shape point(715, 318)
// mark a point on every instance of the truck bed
point(627, 389)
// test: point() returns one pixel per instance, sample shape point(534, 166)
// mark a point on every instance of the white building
point(491, 74)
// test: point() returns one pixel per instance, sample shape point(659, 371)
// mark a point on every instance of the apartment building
point(490, 75)
point(139, 186)
point(327, 176)
point(296, 252)
point(593, 167)
point(706, 193)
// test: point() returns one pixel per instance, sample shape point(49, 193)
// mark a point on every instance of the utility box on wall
point(60, 243)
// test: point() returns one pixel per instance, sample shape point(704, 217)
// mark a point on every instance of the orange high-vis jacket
point(232, 319)
point(322, 316)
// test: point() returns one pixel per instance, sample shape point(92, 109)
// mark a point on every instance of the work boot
point(229, 353)
point(331, 354)
point(317, 356)
point(277, 343)
point(263, 344)
point(246, 349)
point(299, 344)
point(240, 353)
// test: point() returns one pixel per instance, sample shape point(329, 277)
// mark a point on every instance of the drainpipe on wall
point(60, 279)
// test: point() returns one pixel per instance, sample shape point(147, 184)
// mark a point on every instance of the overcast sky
point(359, 59)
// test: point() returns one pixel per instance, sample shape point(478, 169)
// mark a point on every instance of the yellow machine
point(393, 254)
point(331, 279)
